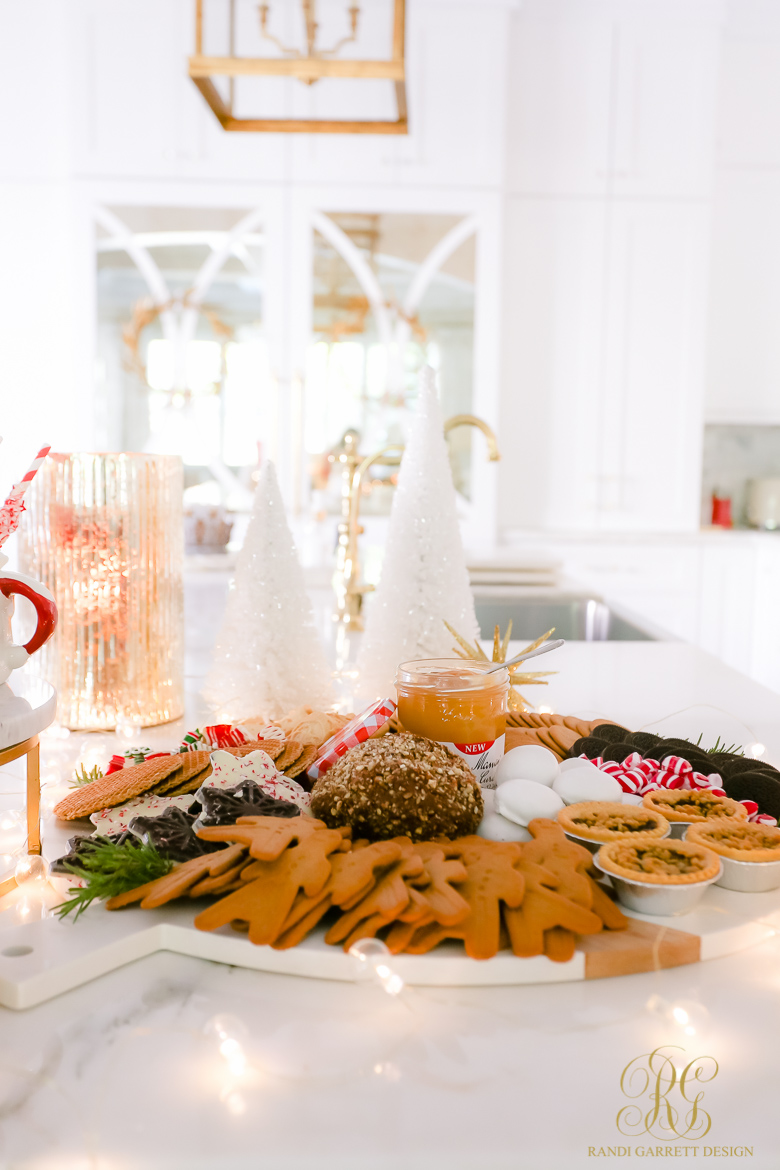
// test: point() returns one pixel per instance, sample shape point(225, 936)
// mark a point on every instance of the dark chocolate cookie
point(644, 742)
point(588, 746)
point(618, 751)
point(742, 764)
point(611, 733)
point(172, 834)
point(223, 806)
point(757, 786)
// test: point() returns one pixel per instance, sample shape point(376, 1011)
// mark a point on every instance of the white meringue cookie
point(494, 827)
point(586, 784)
point(527, 762)
point(576, 762)
point(523, 800)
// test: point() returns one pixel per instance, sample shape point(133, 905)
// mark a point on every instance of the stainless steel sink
point(576, 618)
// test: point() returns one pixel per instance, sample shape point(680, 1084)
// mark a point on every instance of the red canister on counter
point(721, 511)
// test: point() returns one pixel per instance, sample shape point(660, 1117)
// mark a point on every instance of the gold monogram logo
point(655, 1077)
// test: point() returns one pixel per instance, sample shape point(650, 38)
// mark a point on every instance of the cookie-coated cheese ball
point(399, 785)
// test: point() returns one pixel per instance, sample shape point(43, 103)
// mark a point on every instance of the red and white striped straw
point(21, 487)
point(11, 511)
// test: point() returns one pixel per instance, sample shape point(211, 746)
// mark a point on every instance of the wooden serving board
point(643, 947)
point(43, 959)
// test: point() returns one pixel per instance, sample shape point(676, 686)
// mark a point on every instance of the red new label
point(475, 749)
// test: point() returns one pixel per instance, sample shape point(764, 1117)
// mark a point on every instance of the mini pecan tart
point(659, 863)
point(604, 820)
point(738, 840)
point(692, 806)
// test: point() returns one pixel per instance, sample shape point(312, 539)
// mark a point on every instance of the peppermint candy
point(194, 741)
point(637, 775)
point(222, 735)
point(755, 816)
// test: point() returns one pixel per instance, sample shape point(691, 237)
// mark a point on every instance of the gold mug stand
point(32, 749)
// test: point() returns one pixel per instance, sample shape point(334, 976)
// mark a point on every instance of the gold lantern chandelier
point(308, 65)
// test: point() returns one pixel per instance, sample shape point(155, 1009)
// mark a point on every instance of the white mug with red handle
point(13, 656)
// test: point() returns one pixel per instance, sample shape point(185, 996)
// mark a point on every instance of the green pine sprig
point(86, 777)
point(734, 749)
point(110, 869)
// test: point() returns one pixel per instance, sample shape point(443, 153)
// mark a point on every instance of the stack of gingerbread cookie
point(557, 733)
point(277, 879)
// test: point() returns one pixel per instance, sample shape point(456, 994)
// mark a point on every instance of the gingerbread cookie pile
point(557, 733)
point(277, 879)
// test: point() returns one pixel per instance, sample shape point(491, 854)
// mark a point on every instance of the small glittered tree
point(268, 657)
point(424, 581)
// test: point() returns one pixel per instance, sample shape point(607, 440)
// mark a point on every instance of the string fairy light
point(230, 1035)
point(11, 831)
point(32, 868)
point(371, 957)
point(687, 1016)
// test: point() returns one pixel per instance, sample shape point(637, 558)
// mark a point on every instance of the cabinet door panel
point(558, 103)
point(727, 603)
point(649, 405)
point(551, 336)
point(663, 106)
point(765, 664)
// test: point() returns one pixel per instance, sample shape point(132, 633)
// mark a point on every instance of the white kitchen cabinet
point(610, 146)
point(728, 612)
point(553, 305)
point(558, 101)
point(613, 99)
point(765, 657)
point(603, 342)
point(743, 343)
point(646, 461)
point(663, 100)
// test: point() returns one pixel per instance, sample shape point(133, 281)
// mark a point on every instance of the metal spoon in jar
point(524, 657)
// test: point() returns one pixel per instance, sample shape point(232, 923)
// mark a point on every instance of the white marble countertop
point(126, 1071)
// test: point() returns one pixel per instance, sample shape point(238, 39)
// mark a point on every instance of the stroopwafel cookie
point(119, 787)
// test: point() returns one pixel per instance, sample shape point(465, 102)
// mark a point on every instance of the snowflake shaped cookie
point(116, 820)
point(228, 771)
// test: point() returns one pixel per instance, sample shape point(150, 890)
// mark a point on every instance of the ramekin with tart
point(593, 823)
point(664, 877)
point(683, 807)
point(750, 854)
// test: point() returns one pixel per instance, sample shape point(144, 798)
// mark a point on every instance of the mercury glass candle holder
point(105, 533)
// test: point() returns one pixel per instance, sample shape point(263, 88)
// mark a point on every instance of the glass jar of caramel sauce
point(459, 705)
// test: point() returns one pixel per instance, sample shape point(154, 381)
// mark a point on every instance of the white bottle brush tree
point(424, 581)
point(268, 657)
